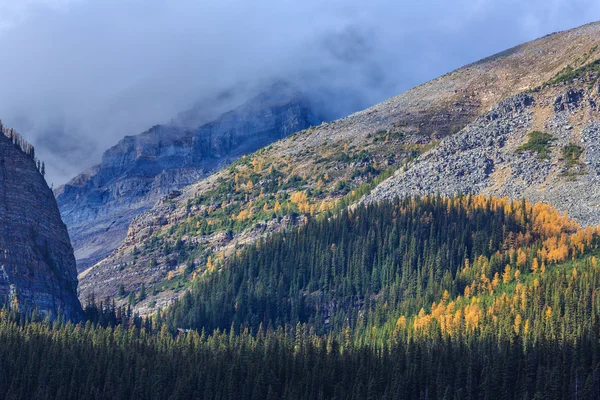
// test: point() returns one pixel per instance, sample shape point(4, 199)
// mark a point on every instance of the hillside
point(408, 254)
point(37, 267)
point(542, 145)
point(329, 167)
point(433, 297)
point(99, 204)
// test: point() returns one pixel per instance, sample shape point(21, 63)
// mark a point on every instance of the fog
point(76, 76)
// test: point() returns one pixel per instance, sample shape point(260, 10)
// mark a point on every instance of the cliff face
point(37, 265)
point(98, 205)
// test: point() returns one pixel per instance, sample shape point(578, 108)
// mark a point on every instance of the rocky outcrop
point(486, 157)
point(37, 266)
point(98, 205)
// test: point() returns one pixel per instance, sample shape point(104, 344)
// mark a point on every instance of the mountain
point(99, 204)
point(339, 164)
point(37, 266)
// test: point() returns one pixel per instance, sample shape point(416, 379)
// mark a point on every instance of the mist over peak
point(78, 75)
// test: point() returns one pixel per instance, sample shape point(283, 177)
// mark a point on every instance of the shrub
point(539, 142)
point(571, 154)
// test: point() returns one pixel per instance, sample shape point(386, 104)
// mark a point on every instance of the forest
point(466, 297)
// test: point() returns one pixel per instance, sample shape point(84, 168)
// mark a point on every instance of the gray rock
point(37, 265)
point(484, 158)
point(98, 205)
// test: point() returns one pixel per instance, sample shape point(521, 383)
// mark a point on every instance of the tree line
point(24, 146)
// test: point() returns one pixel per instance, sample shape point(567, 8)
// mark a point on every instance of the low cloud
point(78, 75)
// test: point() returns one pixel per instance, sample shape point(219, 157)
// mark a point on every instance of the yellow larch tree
point(507, 275)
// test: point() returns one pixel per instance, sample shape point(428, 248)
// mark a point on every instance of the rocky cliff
point(98, 205)
point(37, 266)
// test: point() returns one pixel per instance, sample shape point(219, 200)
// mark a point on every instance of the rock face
point(37, 265)
point(98, 205)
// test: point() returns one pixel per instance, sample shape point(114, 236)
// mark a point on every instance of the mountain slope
point(99, 204)
point(541, 145)
point(326, 168)
point(37, 267)
point(405, 253)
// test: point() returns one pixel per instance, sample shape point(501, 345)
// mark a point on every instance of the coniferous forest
point(420, 298)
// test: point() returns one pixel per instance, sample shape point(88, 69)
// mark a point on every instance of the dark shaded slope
point(37, 266)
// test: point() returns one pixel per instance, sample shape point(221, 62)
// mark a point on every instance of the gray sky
point(78, 75)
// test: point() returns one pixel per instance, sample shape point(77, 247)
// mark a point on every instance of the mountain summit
point(99, 204)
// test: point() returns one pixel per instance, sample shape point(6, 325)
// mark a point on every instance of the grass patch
point(571, 154)
point(539, 142)
point(569, 74)
point(384, 136)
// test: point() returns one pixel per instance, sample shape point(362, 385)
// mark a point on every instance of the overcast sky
point(78, 75)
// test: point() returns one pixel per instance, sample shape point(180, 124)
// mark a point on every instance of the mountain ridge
point(319, 169)
point(98, 205)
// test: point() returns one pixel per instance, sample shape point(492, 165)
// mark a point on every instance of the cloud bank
point(78, 75)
